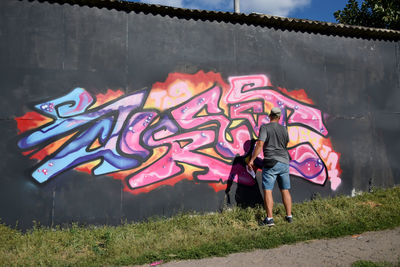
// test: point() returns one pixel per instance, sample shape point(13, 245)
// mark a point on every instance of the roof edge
point(257, 19)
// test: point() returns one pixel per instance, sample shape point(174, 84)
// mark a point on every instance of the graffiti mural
point(188, 127)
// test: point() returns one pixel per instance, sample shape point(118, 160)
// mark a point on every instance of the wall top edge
point(256, 19)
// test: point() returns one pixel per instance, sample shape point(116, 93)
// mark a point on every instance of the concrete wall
point(110, 116)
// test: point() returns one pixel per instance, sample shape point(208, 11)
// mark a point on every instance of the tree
point(371, 13)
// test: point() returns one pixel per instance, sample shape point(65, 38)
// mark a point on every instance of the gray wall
point(48, 50)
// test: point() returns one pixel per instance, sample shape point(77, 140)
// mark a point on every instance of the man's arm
point(256, 152)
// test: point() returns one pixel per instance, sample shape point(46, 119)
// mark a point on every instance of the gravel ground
point(372, 246)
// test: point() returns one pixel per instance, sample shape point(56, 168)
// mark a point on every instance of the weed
point(192, 236)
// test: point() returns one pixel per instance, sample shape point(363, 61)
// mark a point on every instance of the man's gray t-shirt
point(276, 138)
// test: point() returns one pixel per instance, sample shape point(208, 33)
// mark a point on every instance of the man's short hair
point(275, 112)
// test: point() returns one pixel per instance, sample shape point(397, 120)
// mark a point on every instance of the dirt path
point(372, 246)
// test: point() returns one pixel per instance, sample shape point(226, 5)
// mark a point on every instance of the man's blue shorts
point(281, 172)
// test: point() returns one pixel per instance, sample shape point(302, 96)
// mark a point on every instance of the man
point(273, 140)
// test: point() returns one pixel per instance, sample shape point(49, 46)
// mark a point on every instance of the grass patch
point(194, 236)
point(374, 264)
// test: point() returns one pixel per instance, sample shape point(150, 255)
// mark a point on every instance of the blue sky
point(321, 10)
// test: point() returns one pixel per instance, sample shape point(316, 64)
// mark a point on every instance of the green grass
point(193, 236)
point(374, 264)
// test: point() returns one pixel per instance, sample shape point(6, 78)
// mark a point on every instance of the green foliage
point(193, 236)
point(371, 13)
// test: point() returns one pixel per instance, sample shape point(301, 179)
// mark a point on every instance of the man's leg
point(284, 186)
point(287, 201)
point(268, 202)
point(268, 181)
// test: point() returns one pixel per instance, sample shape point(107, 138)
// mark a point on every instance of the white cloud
point(210, 2)
point(281, 8)
point(174, 3)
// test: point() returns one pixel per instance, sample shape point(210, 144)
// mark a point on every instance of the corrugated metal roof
point(302, 25)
